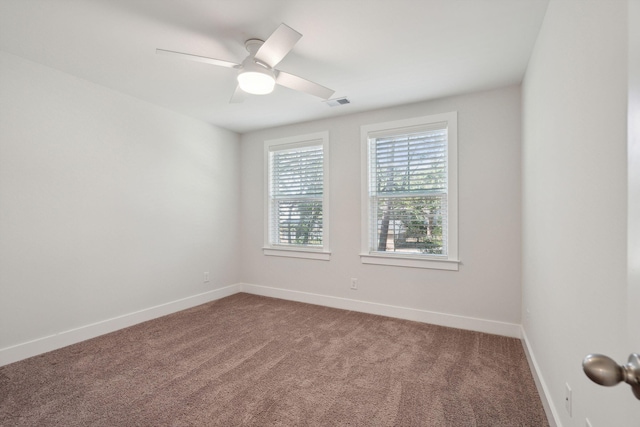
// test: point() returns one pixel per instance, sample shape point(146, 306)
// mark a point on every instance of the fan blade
point(197, 58)
point(278, 45)
point(298, 83)
point(238, 96)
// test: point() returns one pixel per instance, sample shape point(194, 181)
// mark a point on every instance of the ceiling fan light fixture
point(257, 81)
point(257, 73)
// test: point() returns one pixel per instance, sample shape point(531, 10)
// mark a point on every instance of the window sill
point(298, 253)
point(410, 261)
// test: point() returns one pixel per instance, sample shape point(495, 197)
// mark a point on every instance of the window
point(297, 200)
point(409, 202)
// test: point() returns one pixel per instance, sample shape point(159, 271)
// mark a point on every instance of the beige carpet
point(256, 361)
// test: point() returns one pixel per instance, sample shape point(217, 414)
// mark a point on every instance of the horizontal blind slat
point(408, 185)
point(296, 196)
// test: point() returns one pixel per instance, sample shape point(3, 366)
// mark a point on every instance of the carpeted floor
point(256, 361)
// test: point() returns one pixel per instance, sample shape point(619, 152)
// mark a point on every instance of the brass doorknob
point(605, 371)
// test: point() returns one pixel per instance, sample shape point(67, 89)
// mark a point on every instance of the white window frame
point(297, 251)
point(399, 127)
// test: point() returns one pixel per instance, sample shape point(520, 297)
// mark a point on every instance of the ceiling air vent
point(337, 101)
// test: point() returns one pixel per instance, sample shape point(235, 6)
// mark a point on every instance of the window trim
point(298, 251)
point(448, 262)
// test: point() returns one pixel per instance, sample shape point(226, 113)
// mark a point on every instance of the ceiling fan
point(257, 74)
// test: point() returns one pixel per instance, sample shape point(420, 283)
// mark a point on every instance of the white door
point(603, 369)
point(633, 326)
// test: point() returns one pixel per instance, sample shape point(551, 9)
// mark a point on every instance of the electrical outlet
point(354, 284)
point(587, 423)
point(567, 398)
point(206, 277)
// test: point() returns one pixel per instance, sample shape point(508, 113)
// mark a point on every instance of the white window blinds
point(408, 191)
point(296, 195)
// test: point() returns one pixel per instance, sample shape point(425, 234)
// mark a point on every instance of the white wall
point(575, 205)
point(487, 286)
point(108, 205)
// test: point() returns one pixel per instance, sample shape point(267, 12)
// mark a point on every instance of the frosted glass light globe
point(256, 82)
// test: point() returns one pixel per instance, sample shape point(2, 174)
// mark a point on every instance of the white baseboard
point(72, 336)
point(451, 320)
point(543, 390)
point(62, 339)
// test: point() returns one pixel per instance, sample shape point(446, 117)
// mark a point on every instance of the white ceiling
point(378, 53)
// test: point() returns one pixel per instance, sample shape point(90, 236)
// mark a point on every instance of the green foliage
point(300, 222)
point(411, 195)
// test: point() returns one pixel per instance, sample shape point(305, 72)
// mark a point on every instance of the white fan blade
point(238, 96)
point(197, 58)
point(278, 45)
point(298, 83)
